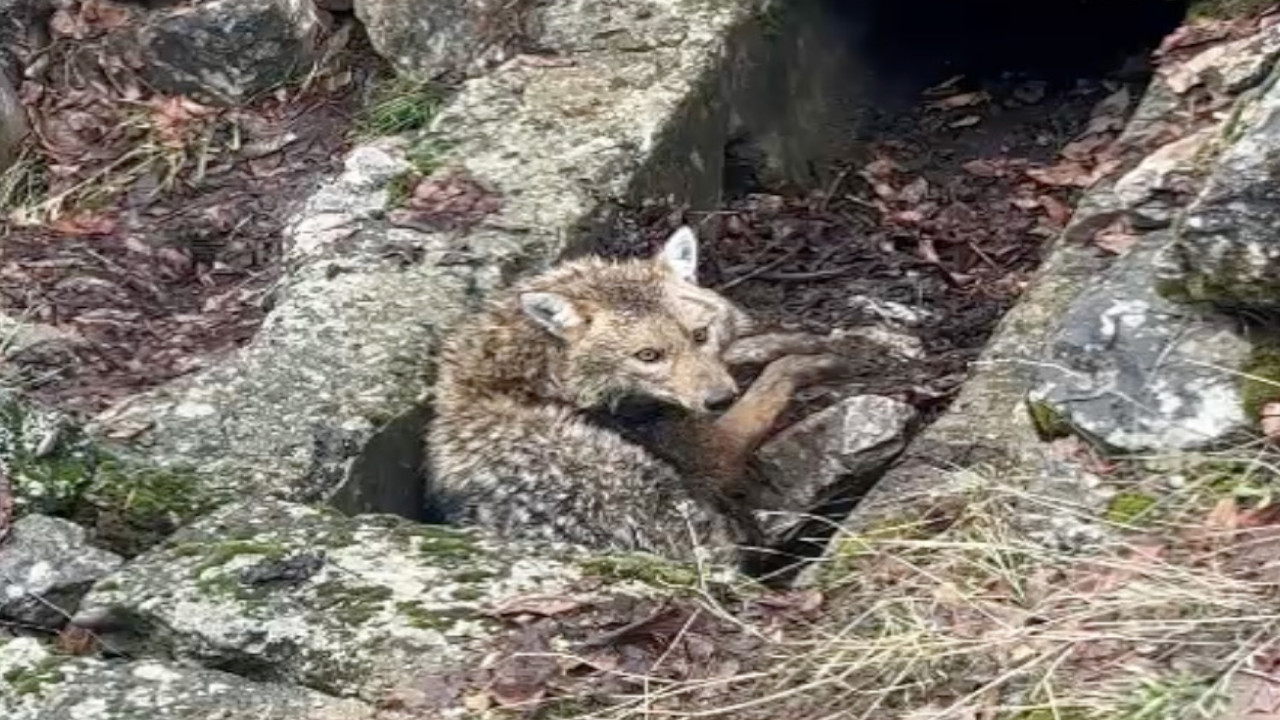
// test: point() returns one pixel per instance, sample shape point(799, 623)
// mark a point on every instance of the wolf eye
point(649, 355)
point(700, 336)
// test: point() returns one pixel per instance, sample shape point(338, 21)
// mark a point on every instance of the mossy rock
point(56, 470)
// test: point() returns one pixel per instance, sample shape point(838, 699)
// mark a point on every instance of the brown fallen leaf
point(1064, 174)
point(1224, 515)
point(966, 121)
point(84, 224)
point(542, 605)
point(983, 168)
point(1059, 213)
point(521, 679)
point(1117, 238)
point(75, 640)
point(882, 166)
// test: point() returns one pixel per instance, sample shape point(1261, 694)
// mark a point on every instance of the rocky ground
point(226, 266)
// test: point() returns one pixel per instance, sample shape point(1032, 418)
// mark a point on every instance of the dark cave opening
point(913, 44)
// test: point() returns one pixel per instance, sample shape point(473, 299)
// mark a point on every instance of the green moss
point(473, 575)
point(1129, 507)
point(422, 618)
point(400, 189)
point(1260, 379)
point(644, 568)
point(443, 547)
point(31, 680)
point(222, 553)
point(353, 604)
point(1048, 422)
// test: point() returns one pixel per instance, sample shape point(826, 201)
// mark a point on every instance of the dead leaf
point(881, 167)
point(75, 640)
point(659, 628)
point(983, 168)
point(84, 224)
point(1117, 238)
point(521, 679)
point(966, 121)
point(1059, 213)
point(541, 605)
point(1085, 147)
point(1224, 515)
point(1064, 174)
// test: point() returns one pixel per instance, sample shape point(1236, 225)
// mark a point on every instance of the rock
point(347, 606)
point(1138, 373)
point(1165, 181)
point(1226, 251)
point(1228, 67)
point(326, 402)
point(840, 445)
point(56, 470)
point(46, 566)
point(13, 122)
point(435, 39)
point(38, 685)
point(223, 51)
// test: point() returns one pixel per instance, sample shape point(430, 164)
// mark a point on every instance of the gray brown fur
point(531, 437)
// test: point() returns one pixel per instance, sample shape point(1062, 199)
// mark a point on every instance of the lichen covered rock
point(1136, 372)
point(46, 566)
point(54, 469)
point(348, 606)
point(223, 51)
point(835, 447)
point(38, 685)
point(1226, 250)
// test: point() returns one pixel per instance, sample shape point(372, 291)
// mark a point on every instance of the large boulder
point(1139, 373)
point(36, 684)
point(46, 566)
point(347, 606)
point(223, 51)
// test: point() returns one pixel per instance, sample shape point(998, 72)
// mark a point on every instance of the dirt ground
point(147, 229)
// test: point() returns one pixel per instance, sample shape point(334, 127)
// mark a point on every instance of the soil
point(939, 219)
point(164, 275)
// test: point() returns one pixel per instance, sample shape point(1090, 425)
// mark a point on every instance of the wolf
point(592, 405)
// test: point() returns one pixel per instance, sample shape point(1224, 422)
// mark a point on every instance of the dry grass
point(988, 620)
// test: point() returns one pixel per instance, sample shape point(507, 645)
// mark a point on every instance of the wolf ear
point(680, 253)
point(553, 312)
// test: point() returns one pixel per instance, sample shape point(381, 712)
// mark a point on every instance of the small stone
point(46, 567)
point(855, 437)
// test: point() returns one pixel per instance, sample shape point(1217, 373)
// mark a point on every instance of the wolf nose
point(719, 400)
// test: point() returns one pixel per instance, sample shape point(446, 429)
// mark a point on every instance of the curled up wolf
point(592, 404)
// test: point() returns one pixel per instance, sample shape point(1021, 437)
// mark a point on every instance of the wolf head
point(638, 332)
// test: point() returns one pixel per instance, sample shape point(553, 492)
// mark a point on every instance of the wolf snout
point(719, 400)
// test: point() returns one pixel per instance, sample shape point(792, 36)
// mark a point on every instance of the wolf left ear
point(554, 312)
point(680, 253)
